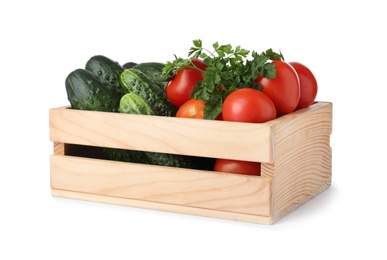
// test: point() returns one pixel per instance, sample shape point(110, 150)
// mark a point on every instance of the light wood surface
point(294, 151)
point(303, 157)
point(162, 206)
point(201, 189)
point(207, 138)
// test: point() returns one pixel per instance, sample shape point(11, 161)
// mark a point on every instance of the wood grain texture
point(294, 150)
point(162, 206)
point(193, 188)
point(206, 138)
point(59, 148)
point(303, 158)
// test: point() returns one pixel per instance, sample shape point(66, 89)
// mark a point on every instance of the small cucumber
point(108, 70)
point(132, 103)
point(129, 65)
point(126, 155)
point(137, 82)
point(171, 160)
point(153, 70)
point(86, 91)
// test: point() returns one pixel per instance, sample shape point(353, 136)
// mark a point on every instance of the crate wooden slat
point(162, 134)
point(303, 157)
point(294, 151)
point(226, 192)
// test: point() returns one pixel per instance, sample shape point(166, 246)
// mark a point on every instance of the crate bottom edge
point(302, 201)
point(162, 206)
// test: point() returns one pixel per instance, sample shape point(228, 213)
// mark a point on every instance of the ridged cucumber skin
point(170, 160)
point(151, 158)
point(108, 70)
point(153, 70)
point(126, 155)
point(86, 91)
point(129, 64)
point(132, 103)
point(137, 82)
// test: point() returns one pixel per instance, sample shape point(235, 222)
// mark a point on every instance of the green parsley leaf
point(228, 69)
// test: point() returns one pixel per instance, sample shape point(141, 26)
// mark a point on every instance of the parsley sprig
point(228, 69)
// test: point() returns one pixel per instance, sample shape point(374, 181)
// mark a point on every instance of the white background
point(342, 42)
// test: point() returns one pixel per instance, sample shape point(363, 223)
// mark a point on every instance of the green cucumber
point(153, 70)
point(129, 65)
point(108, 70)
point(126, 155)
point(137, 82)
point(170, 160)
point(132, 103)
point(86, 91)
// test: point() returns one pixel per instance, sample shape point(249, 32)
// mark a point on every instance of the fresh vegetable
point(193, 108)
point(308, 85)
point(123, 155)
point(132, 103)
point(284, 89)
point(248, 105)
point(237, 166)
point(137, 82)
point(227, 69)
point(88, 91)
point(153, 158)
point(108, 70)
point(171, 160)
point(153, 70)
point(85, 90)
point(226, 83)
point(129, 64)
point(180, 87)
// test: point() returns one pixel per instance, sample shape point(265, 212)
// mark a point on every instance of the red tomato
point(219, 117)
point(284, 89)
point(248, 105)
point(193, 108)
point(308, 85)
point(180, 87)
point(239, 167)
point(199, 63)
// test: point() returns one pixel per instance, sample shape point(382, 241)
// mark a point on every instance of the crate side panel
point(199, 189)
point(303, 158)
point(207, 138)
point(162, 206)
point(59, 148)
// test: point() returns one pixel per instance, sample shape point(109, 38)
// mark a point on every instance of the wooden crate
point(294, 151)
